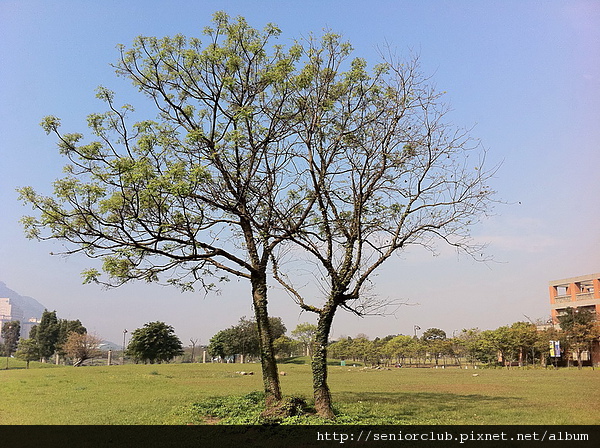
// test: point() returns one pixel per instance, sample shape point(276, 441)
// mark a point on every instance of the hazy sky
point(525, 75)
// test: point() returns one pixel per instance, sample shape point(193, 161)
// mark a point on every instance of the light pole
point(416, 328)
point(123, 356)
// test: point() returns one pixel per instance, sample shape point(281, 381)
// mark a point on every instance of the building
point(576, 292)
point(579, 293)
point(26, 326)
point(9, 312)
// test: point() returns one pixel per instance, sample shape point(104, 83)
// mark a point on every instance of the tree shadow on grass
point(424, 407)
point(305, 360)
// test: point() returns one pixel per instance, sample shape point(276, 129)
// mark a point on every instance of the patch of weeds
point(248, 409)
point(154, 372)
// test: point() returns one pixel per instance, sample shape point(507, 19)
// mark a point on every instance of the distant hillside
point(29, 306)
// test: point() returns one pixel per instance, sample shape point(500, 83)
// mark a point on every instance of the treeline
point(241, 341)
point(66, 341)
point(519, 344)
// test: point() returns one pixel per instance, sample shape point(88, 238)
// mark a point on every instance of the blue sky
point(524, 75)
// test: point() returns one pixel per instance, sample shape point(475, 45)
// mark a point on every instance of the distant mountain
point(29, 306)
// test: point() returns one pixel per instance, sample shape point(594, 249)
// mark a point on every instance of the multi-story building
point(579, 293)
point(9, 311)
point(576, 292)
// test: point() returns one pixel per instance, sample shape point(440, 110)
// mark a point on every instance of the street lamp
point(123, 356)
point(416, 328)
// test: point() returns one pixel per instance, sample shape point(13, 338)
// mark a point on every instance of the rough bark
point(321, 391)
point(267, 353)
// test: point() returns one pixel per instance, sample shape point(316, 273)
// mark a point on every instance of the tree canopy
point(259, 151)
point(46, 334)
point(243, 338)
point(11, 334)
point(155, 342)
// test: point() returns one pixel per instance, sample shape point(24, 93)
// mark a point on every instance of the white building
point(9, 311)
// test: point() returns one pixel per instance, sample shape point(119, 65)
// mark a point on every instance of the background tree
point(435, 341)
point(155, 342)
point(305, 334)
point(341, 349)
point(485, 346)
point(542, 343)
point(65, 328)
point(46, 334)
point(10, 332)
point(223, 344)
point(386, 172)
point(468, 340)
point(243, 338)
point(203, 191)
point(287, 347)
point(81, 347)
point(505, 341)
point(525, 335)
point(581, 329)
point(28, 350)
point(400, 347)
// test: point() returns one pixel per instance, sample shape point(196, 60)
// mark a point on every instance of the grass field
point(166, 394)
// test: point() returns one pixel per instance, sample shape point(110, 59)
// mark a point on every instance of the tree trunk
point(521, 357)
point(267, 353)
point(321, 391)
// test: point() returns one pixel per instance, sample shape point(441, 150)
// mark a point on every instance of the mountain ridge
point(31, 307)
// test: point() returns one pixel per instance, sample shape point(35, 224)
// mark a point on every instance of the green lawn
point(165, 394)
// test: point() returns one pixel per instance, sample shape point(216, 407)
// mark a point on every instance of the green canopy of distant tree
point(155, 342)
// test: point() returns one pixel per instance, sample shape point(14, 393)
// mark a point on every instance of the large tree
point(256, 145)
point(387, 172)
point(46, 334)
point(155, 342)
point(206, 189)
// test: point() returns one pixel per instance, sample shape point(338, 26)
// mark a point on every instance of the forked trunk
point(321, 392)
point(267, 354)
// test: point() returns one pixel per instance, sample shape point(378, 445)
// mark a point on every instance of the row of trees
point(68, 340)
point(521, 343)
point(52, 337)
point(242, 339)
point(263, 157)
